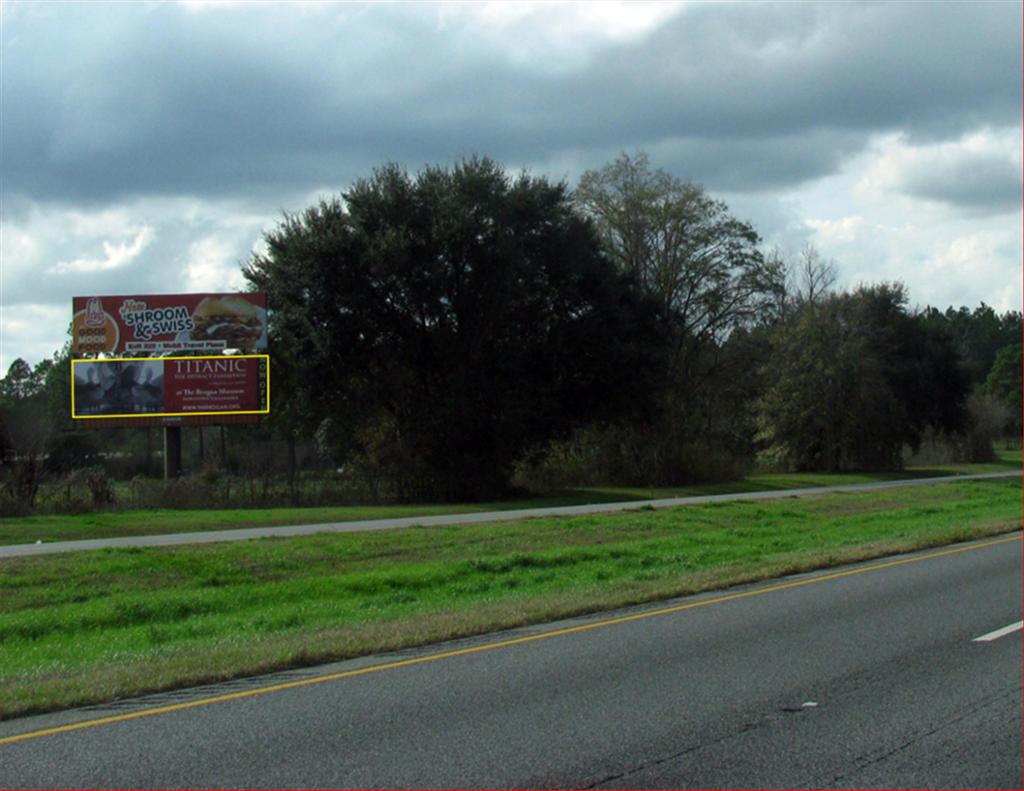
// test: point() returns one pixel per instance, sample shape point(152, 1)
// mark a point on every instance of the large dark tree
point(978, 335)
point(446, 323)
point(853, 378)
point(684, 247)
point(25, 429)
point(1006, 383)
point(705, 271)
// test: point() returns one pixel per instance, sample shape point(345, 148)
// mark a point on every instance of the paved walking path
point(243, 534)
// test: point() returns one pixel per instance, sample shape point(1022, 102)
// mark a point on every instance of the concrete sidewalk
point(244, 534)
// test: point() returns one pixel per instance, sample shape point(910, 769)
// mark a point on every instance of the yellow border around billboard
point(170, 414)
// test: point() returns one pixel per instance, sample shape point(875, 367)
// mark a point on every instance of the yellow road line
point(496, 645)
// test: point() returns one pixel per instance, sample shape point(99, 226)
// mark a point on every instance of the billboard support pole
point(172, 452)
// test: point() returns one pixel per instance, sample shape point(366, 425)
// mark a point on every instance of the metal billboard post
point(172, 452)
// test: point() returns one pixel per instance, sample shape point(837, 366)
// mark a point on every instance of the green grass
point(95, 626)
point(140, 522)
point(106, 524)
point(1006, 459)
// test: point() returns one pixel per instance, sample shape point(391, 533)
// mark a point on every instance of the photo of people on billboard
point(119, 387)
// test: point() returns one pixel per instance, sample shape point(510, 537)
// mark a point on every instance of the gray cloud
point(205, 125)
point(756, 164)
point(975, 181)
point(105, 102)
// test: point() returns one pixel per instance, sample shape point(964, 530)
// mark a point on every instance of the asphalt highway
point(902, 672)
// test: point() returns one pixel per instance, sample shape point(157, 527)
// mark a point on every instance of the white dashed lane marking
point(988, 638)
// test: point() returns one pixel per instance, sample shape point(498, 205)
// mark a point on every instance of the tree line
point(451, 333)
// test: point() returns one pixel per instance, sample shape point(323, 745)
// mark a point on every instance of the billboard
point(170, 387)
point(155, 324)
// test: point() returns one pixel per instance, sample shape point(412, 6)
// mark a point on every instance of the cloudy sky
point(146, 147)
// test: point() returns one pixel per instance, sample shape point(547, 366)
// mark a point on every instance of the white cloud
point(17, 245)
point(109, 221)
point(115, 256)
point(31, 331)
point(845, 229)
point(145, 246)
point(551, 36)
point(980, 171)
point(968, 258)
point(947, 252)
point(212, 266)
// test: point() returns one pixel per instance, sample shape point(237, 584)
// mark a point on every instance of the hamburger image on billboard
point(168, 323)
point(231, 319)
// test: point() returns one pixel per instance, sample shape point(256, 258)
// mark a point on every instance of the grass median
point(143, 522)
point(96, 626)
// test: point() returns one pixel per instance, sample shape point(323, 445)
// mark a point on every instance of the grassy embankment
point(95, 626)
point(109, 523)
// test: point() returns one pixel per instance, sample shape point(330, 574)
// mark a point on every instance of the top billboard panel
point(169, 323)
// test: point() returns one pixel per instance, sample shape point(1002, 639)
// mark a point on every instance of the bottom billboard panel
point(170, 387)
point(188, 421)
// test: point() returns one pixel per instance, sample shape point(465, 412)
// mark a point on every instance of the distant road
point(898, 673)
point(243, 534)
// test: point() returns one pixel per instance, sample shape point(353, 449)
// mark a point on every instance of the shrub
point(71, 450)
point(100, 486)
point(627, 456)
point(988, 416)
